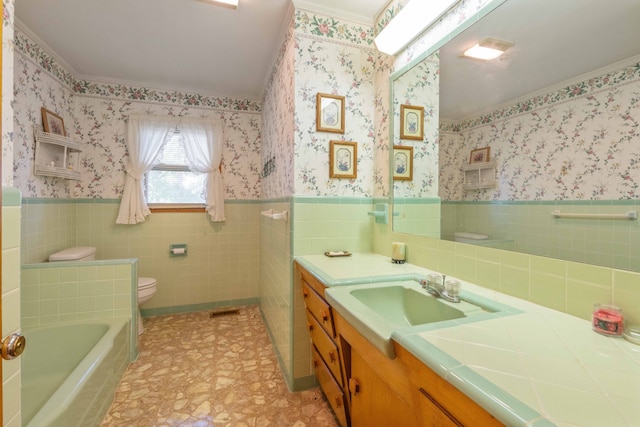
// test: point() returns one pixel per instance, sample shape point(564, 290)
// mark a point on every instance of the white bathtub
point(70, 372)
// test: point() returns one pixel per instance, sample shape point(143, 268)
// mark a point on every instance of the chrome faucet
point(447, 291)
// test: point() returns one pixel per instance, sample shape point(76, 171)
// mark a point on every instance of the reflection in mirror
point(560, 112)
point(420, 212)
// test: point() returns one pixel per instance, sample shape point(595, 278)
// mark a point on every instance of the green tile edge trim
point(11, 196)
point(333, 200)
point(53, 201)
point(544, 202)
point(192, 308)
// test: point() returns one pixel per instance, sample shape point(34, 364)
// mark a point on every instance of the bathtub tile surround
point(55, 293)
point(222, 371)
point(11, 369)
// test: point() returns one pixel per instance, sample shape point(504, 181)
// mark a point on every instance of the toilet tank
point(79, 253)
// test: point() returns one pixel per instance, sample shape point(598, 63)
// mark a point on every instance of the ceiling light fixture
point(232, 4)
point(488, 49)
point(409, 23)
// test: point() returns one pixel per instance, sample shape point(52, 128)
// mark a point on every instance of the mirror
point(559, 113)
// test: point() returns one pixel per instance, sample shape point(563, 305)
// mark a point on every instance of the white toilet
point(146, 285)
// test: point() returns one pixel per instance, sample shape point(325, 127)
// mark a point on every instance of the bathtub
point(70, 371)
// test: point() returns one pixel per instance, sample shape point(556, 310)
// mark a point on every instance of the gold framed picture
point(343, 159)
point(402, 163)
point(411, 122)
point(329, 113)
point(52, 123)
point(479, 155)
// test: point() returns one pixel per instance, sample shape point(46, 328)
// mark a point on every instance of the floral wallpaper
point(419, 87)
point(7, 91)
point(278, 109)
point(577, 143)
point(336, 58)
point(95, 115)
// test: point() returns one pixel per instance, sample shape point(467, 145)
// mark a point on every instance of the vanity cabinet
point(437, 402)
point(379, 390)
point(326, 352)
point(56, 155)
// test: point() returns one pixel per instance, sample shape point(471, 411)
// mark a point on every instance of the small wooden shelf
point(479, 175)
point(56, 155)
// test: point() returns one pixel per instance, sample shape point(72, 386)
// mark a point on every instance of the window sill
point(176, 208)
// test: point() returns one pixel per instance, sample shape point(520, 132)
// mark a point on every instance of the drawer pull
point(325, 316)
point(440, 407)
point(338, 402)
point(332, 356)
point(310, 327)
point(354, 387)
point(305, 293)
point(315, 364)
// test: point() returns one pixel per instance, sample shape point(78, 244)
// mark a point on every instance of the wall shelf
point(479, 175)
point(56, 155)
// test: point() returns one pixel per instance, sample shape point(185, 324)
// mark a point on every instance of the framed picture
point(402, 163)
point(343, 159)
point(479, 155)
point(411, 122)
point(52, 122)
point(329, 113)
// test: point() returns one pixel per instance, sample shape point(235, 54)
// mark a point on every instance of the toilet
point(146, 285)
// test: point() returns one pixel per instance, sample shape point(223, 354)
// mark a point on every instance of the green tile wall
point(566, 286)
point(530, 228)
point(221, 266)
point(275, 284)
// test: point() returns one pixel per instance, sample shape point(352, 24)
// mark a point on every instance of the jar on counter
point(607, 320)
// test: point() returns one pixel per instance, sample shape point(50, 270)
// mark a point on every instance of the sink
point(378, 310)
point(404, 306)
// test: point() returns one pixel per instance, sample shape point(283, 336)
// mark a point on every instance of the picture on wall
point(52, 123)
point(343, 159)
point(402, 163)
point(411, 122)
point(329, 113)
point(479, 155)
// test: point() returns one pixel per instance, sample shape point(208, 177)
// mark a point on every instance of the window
point(171, 182)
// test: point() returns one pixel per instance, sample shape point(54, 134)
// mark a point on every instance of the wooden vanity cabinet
point(379, 390)
point(326, 352)
point(437, 402)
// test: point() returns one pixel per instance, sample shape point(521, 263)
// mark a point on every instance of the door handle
point(12, 346)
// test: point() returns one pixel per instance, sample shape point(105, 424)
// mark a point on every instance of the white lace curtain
point(146, 137)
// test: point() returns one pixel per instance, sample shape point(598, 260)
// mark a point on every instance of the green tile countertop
point(357, 269)
point(539, 367)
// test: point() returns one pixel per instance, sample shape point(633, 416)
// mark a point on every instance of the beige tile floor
point(198, 371)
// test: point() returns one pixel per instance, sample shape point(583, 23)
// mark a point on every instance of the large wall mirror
point(554, 127)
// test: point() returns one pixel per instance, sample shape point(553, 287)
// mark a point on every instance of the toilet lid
point(146, 282)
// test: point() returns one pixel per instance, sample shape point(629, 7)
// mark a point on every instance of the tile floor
point(198, 371)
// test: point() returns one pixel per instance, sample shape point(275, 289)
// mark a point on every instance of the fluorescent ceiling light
point(409, 23)
point(233, 4)
point(488, 49)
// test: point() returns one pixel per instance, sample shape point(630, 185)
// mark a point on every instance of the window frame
point(170, 207)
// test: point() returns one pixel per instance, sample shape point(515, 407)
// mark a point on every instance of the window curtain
point(146, 137)
point(203, 143)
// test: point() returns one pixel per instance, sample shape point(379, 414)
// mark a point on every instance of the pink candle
point(608, 320)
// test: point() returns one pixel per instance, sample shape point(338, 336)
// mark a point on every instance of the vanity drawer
point(326, 347)
point(318, 307)
point(331, 389)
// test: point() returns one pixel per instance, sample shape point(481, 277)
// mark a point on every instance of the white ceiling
point(578, 37)
point(187, 45)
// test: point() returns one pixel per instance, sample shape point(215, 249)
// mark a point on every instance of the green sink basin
point(405, 306)
point(377, 310)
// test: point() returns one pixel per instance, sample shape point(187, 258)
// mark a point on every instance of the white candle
point(398, 251)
